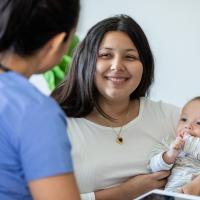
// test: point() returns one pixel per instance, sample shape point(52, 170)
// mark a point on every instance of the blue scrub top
point(33, 139)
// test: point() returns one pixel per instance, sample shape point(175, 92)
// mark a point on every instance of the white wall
point(173, 30)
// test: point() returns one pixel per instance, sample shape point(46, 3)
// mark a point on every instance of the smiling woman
point(118, 68)
point(112, 125)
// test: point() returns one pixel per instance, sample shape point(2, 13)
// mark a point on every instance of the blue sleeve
point(43, 143)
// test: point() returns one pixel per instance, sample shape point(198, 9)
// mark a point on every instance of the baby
point(181, 155)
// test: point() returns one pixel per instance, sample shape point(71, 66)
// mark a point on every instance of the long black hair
point(78, 94)
point(26, 25)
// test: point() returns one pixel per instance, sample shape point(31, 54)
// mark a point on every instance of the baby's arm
point(175, 148)
point(165, 159)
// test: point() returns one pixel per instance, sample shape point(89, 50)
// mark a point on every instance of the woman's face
point(118, 69)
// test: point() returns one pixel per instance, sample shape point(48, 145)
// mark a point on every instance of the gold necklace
point(119, 138)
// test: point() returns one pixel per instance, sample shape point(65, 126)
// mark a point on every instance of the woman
point(111, 125)
point(34, 150)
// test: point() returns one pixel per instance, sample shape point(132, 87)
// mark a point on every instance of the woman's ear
point(54, 44)
point(52, 52)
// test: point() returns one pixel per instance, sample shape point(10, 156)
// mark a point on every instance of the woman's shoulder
point(159, 108)
point(20, 96)
point(161, 115)
point(158, 105)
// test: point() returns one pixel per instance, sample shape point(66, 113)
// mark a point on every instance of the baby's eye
point(183, 119)
point(198, 123)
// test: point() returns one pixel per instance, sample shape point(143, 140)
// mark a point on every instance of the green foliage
point(58, 72)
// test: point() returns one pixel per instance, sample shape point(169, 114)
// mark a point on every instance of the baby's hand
point(182, 134)
point(175, 148)
point(178, 144)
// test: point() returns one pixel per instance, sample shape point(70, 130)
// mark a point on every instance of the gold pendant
point(119, 140)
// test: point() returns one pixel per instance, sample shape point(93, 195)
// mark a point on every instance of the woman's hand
point(134, 187)
point(192, 187)
point(140, 184)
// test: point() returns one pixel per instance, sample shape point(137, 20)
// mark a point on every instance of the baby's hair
point(197, 98)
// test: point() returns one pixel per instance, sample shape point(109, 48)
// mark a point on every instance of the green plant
point(58, 72)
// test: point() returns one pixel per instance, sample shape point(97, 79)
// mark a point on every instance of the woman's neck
point(123, 112)
point(115, 109)
point(16, 63)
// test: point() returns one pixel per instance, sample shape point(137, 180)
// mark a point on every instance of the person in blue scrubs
point(35, 160)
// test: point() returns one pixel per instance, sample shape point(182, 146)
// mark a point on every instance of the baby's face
point(189, 121)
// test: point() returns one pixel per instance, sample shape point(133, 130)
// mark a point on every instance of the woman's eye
point(105, 55)
point(131, 57)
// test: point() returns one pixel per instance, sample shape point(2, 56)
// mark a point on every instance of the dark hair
point(26, 25)
point(78, 94)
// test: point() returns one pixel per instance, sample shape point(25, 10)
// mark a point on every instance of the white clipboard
point(164, 195)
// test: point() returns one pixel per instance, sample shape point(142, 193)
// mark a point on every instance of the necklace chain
point(119, 138)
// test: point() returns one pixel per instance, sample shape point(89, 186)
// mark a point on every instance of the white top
point(99, 162)
point(39, 81)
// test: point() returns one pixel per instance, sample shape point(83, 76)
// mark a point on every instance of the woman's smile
point(117, 79)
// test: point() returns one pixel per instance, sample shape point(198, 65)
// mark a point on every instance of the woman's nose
point(117, 64)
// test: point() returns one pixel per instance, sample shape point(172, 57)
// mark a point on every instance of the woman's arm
point(134, 187)
point(62, 187)
point(192, 187)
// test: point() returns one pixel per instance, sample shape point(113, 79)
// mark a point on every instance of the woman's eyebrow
point(131, 49)
point(109, 48)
